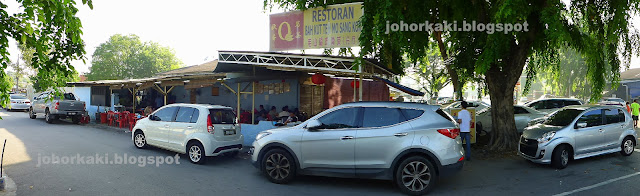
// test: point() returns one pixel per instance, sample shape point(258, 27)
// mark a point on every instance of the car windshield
point(563, 117)
point(222, 116)
point(18, 97)
point(67, 96)
point(615, 99)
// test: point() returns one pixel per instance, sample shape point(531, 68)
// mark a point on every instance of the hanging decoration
point(318, 78)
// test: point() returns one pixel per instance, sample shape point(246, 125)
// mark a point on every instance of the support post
point(164, 92)
point(354, 87)
point(238, 115)
point(253, 102)
point(360, 67)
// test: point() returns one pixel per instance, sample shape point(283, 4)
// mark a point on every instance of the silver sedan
point(522, 116)
point(19, 102)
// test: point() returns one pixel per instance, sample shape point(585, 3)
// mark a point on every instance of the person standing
point(635, 111)
point(464, 118)
point(628, 108)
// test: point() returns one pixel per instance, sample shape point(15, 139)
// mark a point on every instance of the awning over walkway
point(400, 87)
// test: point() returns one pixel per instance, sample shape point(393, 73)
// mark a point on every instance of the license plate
point(229, 132)
point(71, 113)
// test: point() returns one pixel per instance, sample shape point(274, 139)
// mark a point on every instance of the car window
point(551, 104)
point(166, 114)
point(341, 118)
point(537, 105)
point(66, 96)
point(613, 116)
point(222, 116)
point(592, 118)
point(411, 114)
point(571, 102)
point(18, 97)
point(380, 116)
point(445, 115)
point(519, 110)
point(562, 117)
point(184, 114)
point(195, 115)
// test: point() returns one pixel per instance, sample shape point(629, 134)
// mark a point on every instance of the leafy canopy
point(52, 29)
point(126, 57)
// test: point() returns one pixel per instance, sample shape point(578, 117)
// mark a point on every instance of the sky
point(195, 29)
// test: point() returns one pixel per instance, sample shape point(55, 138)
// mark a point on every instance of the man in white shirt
point(464, 118)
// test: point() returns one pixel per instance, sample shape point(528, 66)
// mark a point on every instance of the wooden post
point(360, 67)
point(238, 102)
point(164, 92)
point(253, 102)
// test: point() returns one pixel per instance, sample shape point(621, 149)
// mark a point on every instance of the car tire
point(195, 152)
point(560, 157)
point(75, 119)
point(279, 166)
point(415, 176)
point(32, 115)
point(628, 146)
point(139, 140)
point(48, 117)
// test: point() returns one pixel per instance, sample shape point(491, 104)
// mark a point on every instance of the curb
point(10, 187)
point(107, 127)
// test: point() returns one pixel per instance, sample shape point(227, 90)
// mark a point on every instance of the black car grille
point(528, 147)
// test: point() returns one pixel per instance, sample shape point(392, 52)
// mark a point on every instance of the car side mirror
point(314, 124)
point(35, 98)
point(581, 125)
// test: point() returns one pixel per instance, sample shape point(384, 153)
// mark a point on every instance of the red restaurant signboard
point(337, 26)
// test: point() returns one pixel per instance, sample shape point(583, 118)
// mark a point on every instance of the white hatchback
point(200, 130)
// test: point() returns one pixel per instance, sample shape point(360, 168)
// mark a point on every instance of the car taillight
point(14, 102)
point(452, 133)
point(57, 104)
point(84, 105)
point(210, 128)
point(27, 102)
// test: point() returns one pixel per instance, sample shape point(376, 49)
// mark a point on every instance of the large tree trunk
point(501, 82)
point(452, 72)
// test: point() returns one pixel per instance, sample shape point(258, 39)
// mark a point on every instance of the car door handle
point(601, 130)
point(346, 137)
point(189, 127)
point(400, 134)
point(166, 126)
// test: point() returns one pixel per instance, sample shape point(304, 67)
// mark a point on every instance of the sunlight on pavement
point(15, 151)
point(4, 114)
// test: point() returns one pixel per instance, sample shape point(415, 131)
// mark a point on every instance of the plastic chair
point(122, 119)
point(110, 117)
point(132, 121)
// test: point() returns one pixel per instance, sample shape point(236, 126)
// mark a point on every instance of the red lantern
point(356, 84)
point(318, 78)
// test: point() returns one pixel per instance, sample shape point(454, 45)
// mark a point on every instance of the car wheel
point(75, 119)
point(196, 153)
point(560, 157)
point(627, 146)
point(32, 114)
point(139, 140)
point(415, 176)
point(48, 117)
point(279, 167)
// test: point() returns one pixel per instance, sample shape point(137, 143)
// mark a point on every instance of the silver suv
point(412, 144)
point(577, 132)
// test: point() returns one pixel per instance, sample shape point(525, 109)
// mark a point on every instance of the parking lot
point(31, 140)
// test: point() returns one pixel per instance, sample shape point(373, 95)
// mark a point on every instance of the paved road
point(30, 140)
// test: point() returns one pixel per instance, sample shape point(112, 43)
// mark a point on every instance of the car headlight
point(546, 137)
point(262, 135)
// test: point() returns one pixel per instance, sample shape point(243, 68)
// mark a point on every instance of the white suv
point(197, 129)
point(410, 143)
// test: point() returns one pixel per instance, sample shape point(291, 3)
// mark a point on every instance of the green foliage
point(430, 71)
point(126, 57)
point(52, 29)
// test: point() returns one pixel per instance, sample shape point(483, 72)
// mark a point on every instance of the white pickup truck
point(56, 107)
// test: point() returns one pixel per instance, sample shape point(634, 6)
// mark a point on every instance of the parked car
point(199, 130)
point(409, 143)
point(549, 105)
point(18, 102)
point(443, 100)
point(612, 101)
point(522, 116)
point(577, 132)
point(56, 107)
point(478, 105)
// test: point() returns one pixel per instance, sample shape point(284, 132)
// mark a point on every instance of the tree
point(431, 72)
point(567, 76)
point(126, 57)
point(52, 29)
point(597, 29)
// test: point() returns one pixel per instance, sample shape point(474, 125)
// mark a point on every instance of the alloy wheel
point(565, 157)
point(278, 166)
point(416, 176)
point(140, 140)
point(628, 146)
point(195, 153)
